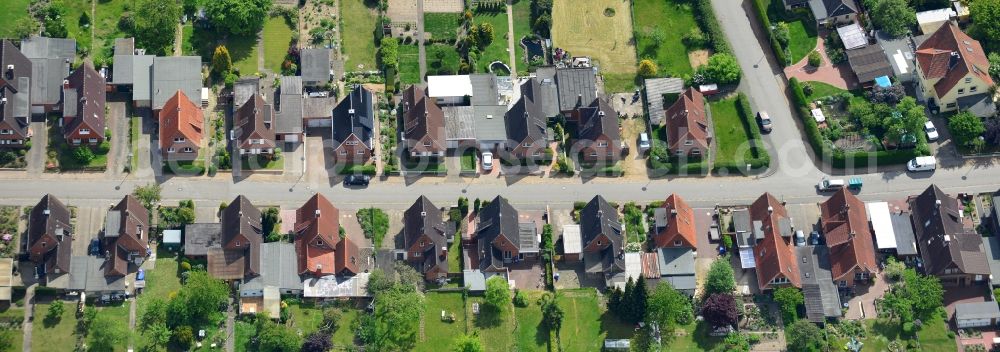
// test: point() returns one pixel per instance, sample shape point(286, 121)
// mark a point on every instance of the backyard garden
point(361, 22)
point(601, 29)
point(490, 29)
point(794, 31)
point(666, 31)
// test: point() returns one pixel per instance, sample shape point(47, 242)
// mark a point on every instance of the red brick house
point(598, 136)
point(501, 237)
point(688, 131)
point(525, 122)
point(238, 255)
point(318, 244)
point(602, 239)
point(15, 102)
point(181, 128)
point(949, 250)
point(775, 257)
point(83, 100)
point(50, 236)
point(423, 124)
point(425, 238)
point(125, 236)
point(354, 127)
point(845, 225)
point(674, 222)
point(254, 127)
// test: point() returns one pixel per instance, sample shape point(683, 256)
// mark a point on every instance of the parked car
point(643, 142)
point(800, 238)
point(922, 163)
point(932, 133)
point(828, 185)
point(487, 161)
point(765, 121)
point(357, 180)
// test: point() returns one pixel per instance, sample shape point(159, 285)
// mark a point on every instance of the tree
point(780, 32)
point(55, 312)
point(992, 133)
point(815, 60)
point(197, 300)
point(486, 34)
point(331, 319)
point(965, 127)
point(25, 27)
point(615, 300)
point(155, 313)
point(105, 334)
point(222, 63)
point(891, 95)
point(54, 28)
point(83, 155)
point(158, 335)
point(647, 68)
point(318, 341)
point(184, 336)
point(789, 298)
point(894, 269)
point(914, 297)
point(270, 219)
point(148, 195)
point(994, 59)
point(804, 336)
point(894, 16)
point(552, 313)
point(156, 24)
point(986, 16)
point(639, 298)
point(389, 52)
point(397, 315)
point(467, 343)
point(408, 277)
point(668, 307)
point(497, 292)
point(720, 310)
point(239, 17)
point(272, 337)
point(720, 278)
point(722, 69)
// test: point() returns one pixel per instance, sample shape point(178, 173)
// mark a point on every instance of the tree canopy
point(966, 127)
point(222, 62)
point(156, 24)
point(914, 297)
point(804, 336)
point(892, 16)
point(719, 309)
point(148, 195)
point(105, 334)
point(272, 337)
point(648, 68)
point(467, 343)
point(318, 341)
point(789, 298)
point(397, 315)
point(199, 299)
point(497, 292)
point(239, 17)
point(668, 307)
point(986, 16)
point(722, 69)
point(720, 278)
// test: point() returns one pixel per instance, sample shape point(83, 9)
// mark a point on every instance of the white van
point(922, 163)
point(827, 184)
point(643, 142)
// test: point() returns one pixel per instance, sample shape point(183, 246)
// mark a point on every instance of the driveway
point(89, 222)
point(39, 142)
point(118, 123)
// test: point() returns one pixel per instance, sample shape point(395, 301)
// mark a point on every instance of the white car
point(932, 133)
point(487, 161)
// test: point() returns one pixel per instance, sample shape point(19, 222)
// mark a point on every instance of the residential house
point(688, 131)
point(970, 315)
point(172, 73)
point(502, 238)
point(262, 293)
point(423, 124)
point(930, 20)
point(315, 65)
point(450, 89)
point(50, 236)
point(868, 63)
point(828, 11)
point(125, 237)
point(15, 96)
point(288, 111)
point(426, 234)
point(950, 250)
point(821, 296)
point(122, 76)
point(254, 127)
point(237, 255)
point(321, 250)
point(774, 256)
point(181, 128)
point(675, 226)
point(676, 266)
point(50, 64)
point(525, 124)
point(83, 101)
point(354, 127)
point(576, 87)
point(602, 239)
point(845, 226)
point(598, 135)
point(953, 73)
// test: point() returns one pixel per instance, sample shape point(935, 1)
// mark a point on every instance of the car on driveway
point(487, 161)
point(932, 133)
point(357, 180)
point(764, 120)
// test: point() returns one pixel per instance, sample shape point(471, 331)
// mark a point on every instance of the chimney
point(600, 113)
point(319, 267)
point(423, 213)
point(770, 209)
point(65, 83)
point(937, 203)
point(579, 99)
point(673, 212)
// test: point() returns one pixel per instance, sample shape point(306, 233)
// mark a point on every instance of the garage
point(319, 123)
point(291, 138)
point(975, 315)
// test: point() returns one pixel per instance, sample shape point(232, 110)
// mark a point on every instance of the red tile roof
point(686, 120)
point(180, 118)
point(774, 256)
point(348, 257)
point(680, 226)
point(935, 58)
point(317, 224)
point(845, 226)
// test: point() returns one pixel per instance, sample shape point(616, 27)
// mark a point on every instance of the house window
point(188, 150)
point(178, 139)
point(973, 89)
point(507, 254)
point(93, 140)
point(417, 254)
point(950, 105)
point(6, 131)
point(170, 150)
point(361, 152)
point(843, 283)
point(427, 144)
point(968, 79)
point(536, 153)
point(343, 152)
point(602, 144)
point(76, 141)
point(422, 243)
point(527, 144)
point(84, 131)
point(677, 243)
point(695, 151)
point(598, 242)
point(593, 154)
point(679, 152)
point(961, 91)
point(237, 243)
point(688, 142)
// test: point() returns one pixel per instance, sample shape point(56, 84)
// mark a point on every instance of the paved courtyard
point(840, 76)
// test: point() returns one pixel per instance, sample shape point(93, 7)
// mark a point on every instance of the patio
point(840, 76)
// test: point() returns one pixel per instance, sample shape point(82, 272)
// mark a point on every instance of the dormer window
point(84, 131)
point(178, 139)
point(598, 242)
point(688, 142)
point(602, 144)
point(237, 243)
point(188, 150)
point(527, 144)
point(422, 243)
point(427, 144)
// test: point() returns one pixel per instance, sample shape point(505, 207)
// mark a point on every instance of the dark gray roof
point(992, 249)
point(676, 262)
point(489, 123)
point(318, 107)
point(50, 61)
point(142, 76)
point(87, 274)
point(112, 223)
point(484, 89)
point(354, 115)
point(598, 119)
point(172, 73)
point(243, 89)
point(743, 227)
point(869, 62)
point(977, 310)
point(498, 219)
point(124, 52)
point(822, 298)
point(459, 122)
point(655, 89)
point(423, 218)
point(902, 46)
point(906, 243)
point(288, 118)
point(836, 8)
point(527, 233)
point(49, 48)
point(198, 238)
point(525, 120)
point(16, 111)
point(981, 105)
point(549, 92)
point(942, 237)
point(599, 217)
point(315, 66)
point(278, 270)
point(577, 87)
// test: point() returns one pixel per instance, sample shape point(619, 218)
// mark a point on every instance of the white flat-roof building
point(572, 245)
point(930, 20)
point(449, 90)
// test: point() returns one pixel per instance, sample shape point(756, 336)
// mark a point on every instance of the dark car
point(765, 121)
point(357, 180)
point(95, 247)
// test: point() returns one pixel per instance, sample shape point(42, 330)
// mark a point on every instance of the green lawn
point(409, 64)
point(16, 10)
point(496, 335)
point(522, 27)
point(469, 160)
point(670, 19)
point(242, 49)
point(531, 336)
point(344, 336)
point(442, 59)
point(497, 50)
point(161, 283)
point(244, 331)
point(59, 336)
point(359, 25)
point(15, 314)
point(277, 38)
point(135, 129)
point(305, 317)
point(187, 46)
point(620, 82)
point(438, 334)
point(64, 153)
point(801, 29)
point(695, 338)
point(442, 25)
point(820, 90)
point(731, 135)
point(119, 316)
point(455, 256)
point(72, 10)
point(933, 336)
point(260, 163)
point(107, 14)
point(586, 323)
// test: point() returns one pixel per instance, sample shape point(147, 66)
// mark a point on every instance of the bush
point(520, 299)
point(705, 16)
point(83, 155)
point(815, 59)
point(185, 266)
point(779, 53)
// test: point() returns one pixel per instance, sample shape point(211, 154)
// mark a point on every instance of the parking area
point(527, 275)
point(89, 222)
point(206, 214)
point(805, 217)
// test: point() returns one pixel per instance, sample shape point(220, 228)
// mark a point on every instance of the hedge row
point(356, 169)
point(760, 158)
point(779, 53)
point(705, 16)
point(838, 158)
point(672, 167)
